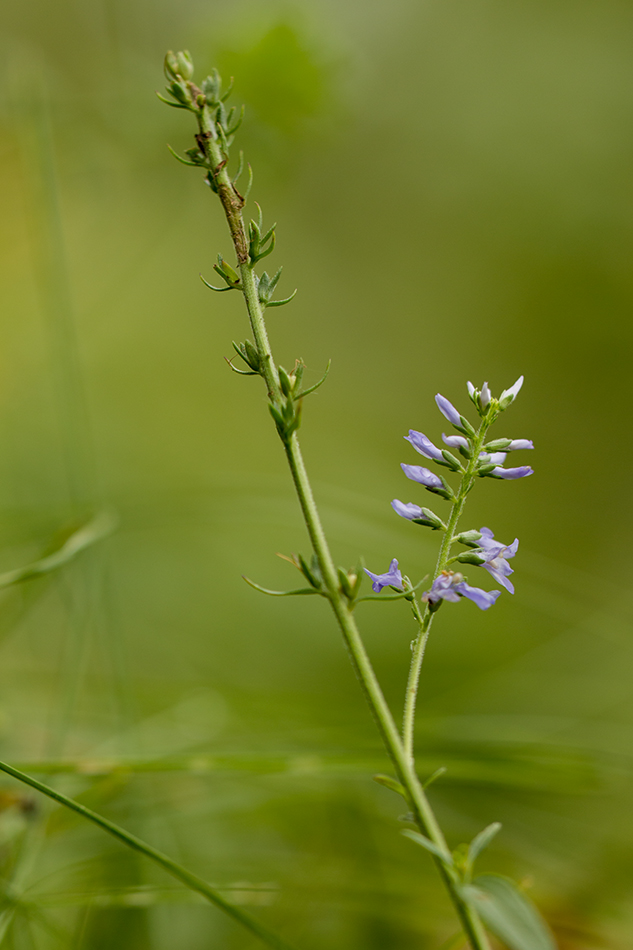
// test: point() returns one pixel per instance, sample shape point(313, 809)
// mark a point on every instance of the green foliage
point(509, 914)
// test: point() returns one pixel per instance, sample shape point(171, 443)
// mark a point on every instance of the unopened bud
point(171, 65)
point(469, 537)
point(471, 557)
point(185, 64)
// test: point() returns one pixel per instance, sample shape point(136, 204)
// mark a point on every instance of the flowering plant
point(482, 903)
point(476, 902)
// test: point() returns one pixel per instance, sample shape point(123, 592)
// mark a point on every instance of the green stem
point(181, 874)
point(418, 802)
point(426, 619)
point(417, 656)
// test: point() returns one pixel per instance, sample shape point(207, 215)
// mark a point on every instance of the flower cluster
point(472, 456)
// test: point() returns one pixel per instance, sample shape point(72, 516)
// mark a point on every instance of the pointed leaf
point(508, 913)
point(280, 303)
point(482, 840)
point(218, 290)
point(391, 783)
point(311, 389)
point(280, 593)
point(429, 845)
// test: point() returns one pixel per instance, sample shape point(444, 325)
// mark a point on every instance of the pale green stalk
point(176, 870)
point(426, 619)
point(403, 765)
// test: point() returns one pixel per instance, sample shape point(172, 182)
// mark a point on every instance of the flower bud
point(171, 65)
point(471, 557)
point(185, 64)
point(497, 445)
point(469, 537)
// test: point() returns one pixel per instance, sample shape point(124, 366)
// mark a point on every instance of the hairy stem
point(192, 881)
point(425, 819)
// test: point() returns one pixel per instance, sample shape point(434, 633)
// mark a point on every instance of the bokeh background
point(452, 185)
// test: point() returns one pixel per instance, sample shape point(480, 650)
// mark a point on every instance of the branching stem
point(402, 761)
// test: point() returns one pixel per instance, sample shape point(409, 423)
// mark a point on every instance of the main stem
point(426, 619)
point(425, 819)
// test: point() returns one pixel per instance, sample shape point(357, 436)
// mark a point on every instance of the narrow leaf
point(183, 160)
point(429, 846)
point(434, 776)
point(280, 593)
point(306, 392)
point(218, 290)
point(482, 840)
point(508, 913)
point(280, 303)
point(391, 783)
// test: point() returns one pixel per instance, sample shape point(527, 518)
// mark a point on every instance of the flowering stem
point(426, 619)
point(404, 767)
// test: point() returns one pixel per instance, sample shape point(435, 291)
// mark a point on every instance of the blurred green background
point(452, 185)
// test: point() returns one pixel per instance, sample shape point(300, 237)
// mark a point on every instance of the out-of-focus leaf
point(508, 913)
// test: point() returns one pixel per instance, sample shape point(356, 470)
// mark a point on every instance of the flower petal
point(513, 392)
point(410, 511)
point(423, 445)
point(483, 598)
point(521, 472)
point(454, 441)
point(520, 444)
point(417, 473)
point(448, 410)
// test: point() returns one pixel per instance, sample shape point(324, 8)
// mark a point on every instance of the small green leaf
point(280, 593)
point(391, 783)
point(508, 913)
point(429, 845)
point(482, 840)
point(435, 775)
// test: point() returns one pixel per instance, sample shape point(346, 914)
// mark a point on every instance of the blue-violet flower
point(393, 578)
point(451, 586)
point(496, 555)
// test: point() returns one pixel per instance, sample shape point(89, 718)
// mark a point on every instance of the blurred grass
point(452, 186)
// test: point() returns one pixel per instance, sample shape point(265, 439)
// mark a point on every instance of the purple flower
point(496, 555)
point(423, 445)
point(410, 511)
point(520, 444)
point(448, 410)
point(450, 586)
point(485, 396)
point(393, 578)
point(521, 472)
point(417, 473)
point(509, 395)
point(454, 441)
